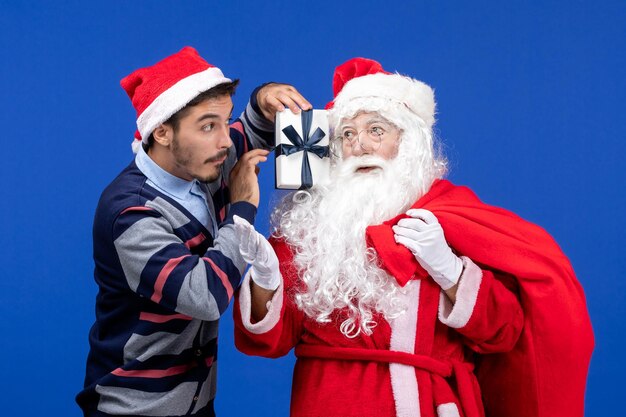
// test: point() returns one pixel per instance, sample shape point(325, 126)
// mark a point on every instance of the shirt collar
point(165, 181)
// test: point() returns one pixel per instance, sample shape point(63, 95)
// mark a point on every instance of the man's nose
point(224, 139)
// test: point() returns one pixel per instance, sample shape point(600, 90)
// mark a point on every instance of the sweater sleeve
point(281, 329)
point(159, 266)
point(252, 130)
point(487, 313)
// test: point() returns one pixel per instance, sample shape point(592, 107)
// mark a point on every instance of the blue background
point(531, 110)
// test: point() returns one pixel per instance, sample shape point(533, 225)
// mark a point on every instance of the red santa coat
point(419, 364)
point(545, 374)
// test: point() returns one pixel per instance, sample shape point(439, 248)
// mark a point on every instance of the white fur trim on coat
point(458, 314)
point(245, 306)
point(448, 410)
point(403, 331)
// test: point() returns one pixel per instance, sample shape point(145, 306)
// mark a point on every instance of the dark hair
point(219, 90)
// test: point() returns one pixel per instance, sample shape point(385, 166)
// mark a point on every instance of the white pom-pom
point(136, 145)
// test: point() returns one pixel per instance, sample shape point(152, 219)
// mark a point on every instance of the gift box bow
point(305, 144)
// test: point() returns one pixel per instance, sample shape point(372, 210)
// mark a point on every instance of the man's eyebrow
point(211, 116)
point(208, 116)
point(214, 115)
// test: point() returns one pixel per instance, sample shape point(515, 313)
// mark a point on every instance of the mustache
point(349, 166)
point(220, 155)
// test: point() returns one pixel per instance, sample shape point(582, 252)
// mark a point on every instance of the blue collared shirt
point(190, 194)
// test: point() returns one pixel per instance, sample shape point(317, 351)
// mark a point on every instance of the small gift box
point(302, 157)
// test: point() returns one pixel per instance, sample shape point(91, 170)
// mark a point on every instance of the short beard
point(325, 228)
point(183, 158)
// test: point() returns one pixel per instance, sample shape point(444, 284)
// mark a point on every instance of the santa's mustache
point(353, 164)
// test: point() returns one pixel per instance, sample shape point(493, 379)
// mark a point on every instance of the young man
point(164, 244)
point(450, 303)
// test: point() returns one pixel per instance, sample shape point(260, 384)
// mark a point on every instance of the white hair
point(325, 226)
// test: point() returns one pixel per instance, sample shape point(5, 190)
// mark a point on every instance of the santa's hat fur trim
point(415, 95)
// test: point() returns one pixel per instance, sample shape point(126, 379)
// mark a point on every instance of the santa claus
point(403, 294)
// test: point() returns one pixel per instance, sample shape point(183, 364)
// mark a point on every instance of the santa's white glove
point(422, 234)
point(257, 252)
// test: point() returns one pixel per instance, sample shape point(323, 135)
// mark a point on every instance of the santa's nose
point(358, 149)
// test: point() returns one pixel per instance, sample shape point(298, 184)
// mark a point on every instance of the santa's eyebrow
point(378, 120)
point(373, 119)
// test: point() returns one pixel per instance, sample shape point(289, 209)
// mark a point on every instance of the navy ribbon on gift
point(304, 144)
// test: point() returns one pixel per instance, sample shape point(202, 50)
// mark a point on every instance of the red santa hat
point(159, 91)
point(361, 84)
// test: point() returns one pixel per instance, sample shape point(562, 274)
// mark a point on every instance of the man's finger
point(256, 160)
point(273, 103)
point(302, 102)
point(286, 100)
point(254, 152)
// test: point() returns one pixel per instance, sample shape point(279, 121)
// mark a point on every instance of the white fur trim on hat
point(418, 97)
point(176, 97)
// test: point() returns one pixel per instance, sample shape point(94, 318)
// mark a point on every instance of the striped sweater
point(164, 281)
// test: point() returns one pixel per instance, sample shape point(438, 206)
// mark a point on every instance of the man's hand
point(275, 97)
point(422, 234)
point(257, 252)
point(243, 181)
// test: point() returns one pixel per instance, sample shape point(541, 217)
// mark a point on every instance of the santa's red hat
point(159, 91)
point(361, 84)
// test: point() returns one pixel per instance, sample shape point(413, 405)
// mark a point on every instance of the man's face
point(200, 145)
point(369, 134)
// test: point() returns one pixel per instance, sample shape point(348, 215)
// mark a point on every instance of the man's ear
point(163, 135)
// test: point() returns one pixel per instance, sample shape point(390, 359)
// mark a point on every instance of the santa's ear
point(163, 134)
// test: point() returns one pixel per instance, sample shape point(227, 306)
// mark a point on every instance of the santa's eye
point(349, 135)
point(376, 131)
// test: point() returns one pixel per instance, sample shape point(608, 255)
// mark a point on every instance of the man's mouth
point(217, 159)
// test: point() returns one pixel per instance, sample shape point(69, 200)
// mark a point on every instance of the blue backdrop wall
point(530, 109)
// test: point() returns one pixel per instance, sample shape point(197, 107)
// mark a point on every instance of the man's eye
point(208, 127)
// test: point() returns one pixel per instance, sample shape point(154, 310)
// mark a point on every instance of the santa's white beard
point(326, 229)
